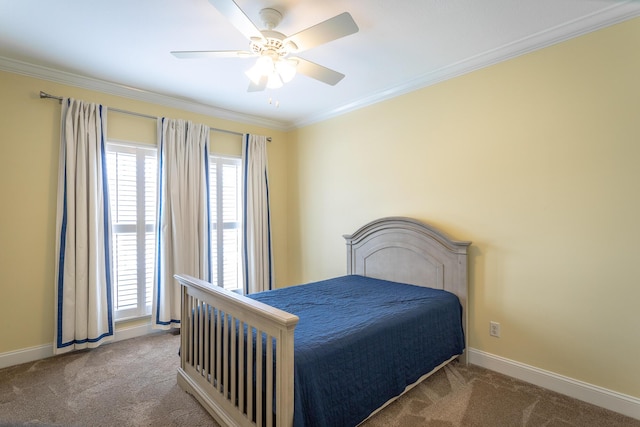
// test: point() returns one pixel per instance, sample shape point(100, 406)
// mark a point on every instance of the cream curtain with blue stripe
point(257, 251)
point(84, 288)
point(183, 234)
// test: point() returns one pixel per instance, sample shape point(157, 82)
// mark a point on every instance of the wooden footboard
point(236, 355)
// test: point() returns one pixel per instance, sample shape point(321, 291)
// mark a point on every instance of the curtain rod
point(146, 116)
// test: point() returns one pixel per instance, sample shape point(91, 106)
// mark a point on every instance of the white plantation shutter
point(213, 203)
point(224, 178)
point(150, 193)
point(132, 188)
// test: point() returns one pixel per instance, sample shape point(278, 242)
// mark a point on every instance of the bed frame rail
point(236, 356)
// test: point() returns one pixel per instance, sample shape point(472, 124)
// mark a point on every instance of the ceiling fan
point(275, 66)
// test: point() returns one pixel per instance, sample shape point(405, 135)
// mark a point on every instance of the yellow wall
point(29, 140)
point(536, 161)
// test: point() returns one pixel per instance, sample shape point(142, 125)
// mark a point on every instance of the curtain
point(183, 226)
point(257, 254)
point(84, 288)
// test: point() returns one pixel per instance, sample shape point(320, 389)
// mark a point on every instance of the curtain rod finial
point(46, 95)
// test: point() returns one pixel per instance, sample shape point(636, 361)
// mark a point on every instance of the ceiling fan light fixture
point(287, 69)
point(254, 75)
point(263, 67)
point(274, 81)
point(277, 71)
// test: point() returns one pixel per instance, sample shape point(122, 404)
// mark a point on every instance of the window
point(132, 171)
point(226, 213)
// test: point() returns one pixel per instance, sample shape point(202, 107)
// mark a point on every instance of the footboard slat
point(206, 343)
point(242, 366)
point(259, 385)
point(269, 377)
point(191, 331)
point(237, 356)
point(249, 378)
point(218, 345)
point(201, 337)
point(226, 349)
point(234, 343)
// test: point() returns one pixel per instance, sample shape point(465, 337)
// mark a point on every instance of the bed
point(361, 340)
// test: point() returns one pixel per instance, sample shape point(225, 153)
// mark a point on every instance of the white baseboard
point(608, 399)
point(25, 355)
point(135, 331)
point(31, 354)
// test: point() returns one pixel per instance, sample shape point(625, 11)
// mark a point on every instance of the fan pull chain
point(277, 103)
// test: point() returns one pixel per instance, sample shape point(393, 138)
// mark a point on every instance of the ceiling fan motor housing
point(273, 44)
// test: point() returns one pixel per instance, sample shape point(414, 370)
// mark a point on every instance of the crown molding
point(70, 79)
point(612, 15)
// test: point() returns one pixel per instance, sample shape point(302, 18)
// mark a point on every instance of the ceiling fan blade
point(184, 54)
point(259, 87)
point(324, 32)
point(318, 72)
point(238, 18)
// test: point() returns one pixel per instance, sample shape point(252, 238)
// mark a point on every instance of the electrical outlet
point(494, 329)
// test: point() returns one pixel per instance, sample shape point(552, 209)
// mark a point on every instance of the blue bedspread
point(361, 341)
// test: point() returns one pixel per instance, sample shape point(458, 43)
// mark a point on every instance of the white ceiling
point(122, 47)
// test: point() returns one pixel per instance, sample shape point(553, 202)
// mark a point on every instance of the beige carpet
point(472, 396)
point(133, 383)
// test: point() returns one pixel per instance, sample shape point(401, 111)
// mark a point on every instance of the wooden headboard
point(408, 251)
